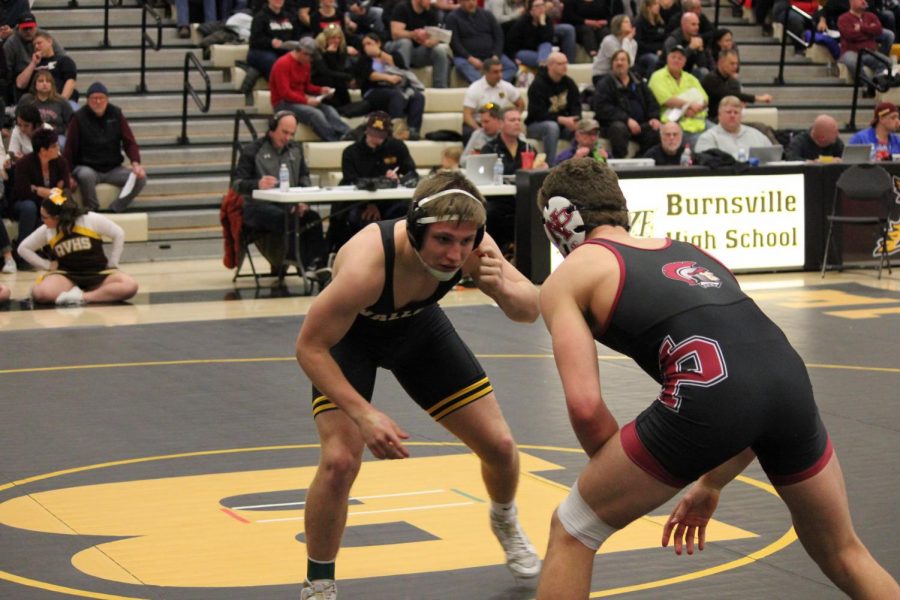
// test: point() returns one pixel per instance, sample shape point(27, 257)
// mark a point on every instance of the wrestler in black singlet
point(416, 342)
point(730, 379)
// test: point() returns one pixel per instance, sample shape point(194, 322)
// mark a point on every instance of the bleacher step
point(129, 58)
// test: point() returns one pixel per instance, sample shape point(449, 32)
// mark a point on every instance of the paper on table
point(129, 185)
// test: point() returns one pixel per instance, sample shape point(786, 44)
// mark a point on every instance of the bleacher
point(179, 206)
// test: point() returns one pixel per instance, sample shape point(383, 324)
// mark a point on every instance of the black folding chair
point(873, 186)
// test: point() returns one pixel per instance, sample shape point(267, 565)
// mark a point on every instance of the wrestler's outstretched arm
point(516, 296)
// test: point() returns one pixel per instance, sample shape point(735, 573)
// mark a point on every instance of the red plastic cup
point(527, 159)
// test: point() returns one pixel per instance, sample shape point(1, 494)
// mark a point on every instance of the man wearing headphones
point(257, 169)
point(732, 389)
point(381, 310)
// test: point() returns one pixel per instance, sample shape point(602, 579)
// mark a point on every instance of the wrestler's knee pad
point(582, 522)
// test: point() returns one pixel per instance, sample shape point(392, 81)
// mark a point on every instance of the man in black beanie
point(97, 135)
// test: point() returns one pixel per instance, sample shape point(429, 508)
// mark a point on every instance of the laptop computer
point(855, 154)
point(623, 164)
point(480, 168)
point(767, 154)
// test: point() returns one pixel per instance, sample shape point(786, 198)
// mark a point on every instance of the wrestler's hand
point(490, 270)
point(690, 517)
point(382, 435)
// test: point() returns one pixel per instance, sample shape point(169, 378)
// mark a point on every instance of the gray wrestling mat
point(170, 461)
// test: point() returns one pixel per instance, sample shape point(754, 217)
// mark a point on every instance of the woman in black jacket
point(330, 65)
point(530, 39)
point(650, 34)
point(626, 108)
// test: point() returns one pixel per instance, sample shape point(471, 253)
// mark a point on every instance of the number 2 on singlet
point(696, 361)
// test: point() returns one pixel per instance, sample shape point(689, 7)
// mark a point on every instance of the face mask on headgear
point(563, 224)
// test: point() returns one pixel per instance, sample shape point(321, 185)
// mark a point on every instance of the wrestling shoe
point(320, 589)
point(521, 558)
point(72, 297)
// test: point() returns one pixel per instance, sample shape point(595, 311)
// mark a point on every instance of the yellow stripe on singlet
point(464, 396)
point(321, 404)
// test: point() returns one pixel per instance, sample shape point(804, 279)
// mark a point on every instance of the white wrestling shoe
point(521, 558)
point(320, 589)
point(73, 297)
point(9, 266)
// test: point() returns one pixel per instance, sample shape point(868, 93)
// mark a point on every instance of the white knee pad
point(582, 522)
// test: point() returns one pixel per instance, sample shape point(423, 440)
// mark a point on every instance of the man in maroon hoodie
point(861, 29)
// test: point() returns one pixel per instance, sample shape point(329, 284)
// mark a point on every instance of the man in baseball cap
point(882, 132)
point(587, 143)
point(19, 45)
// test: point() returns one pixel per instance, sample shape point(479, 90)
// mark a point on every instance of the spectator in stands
point(378, 155)
point(388, 86)
point(489, 90)
point(509, 146)
point(183, 16)
point(18, 49)
point(626, 108)
point(621, 37)
point(412, 41)
point(650, 35)
point(506, 11)
point(862, 30)
point(530, 38)
point(291, 89)
point(28, 120)
point(330, 66)
point(477, 36)
point(37, 173)
point(450, 157)
point(821, 140)
point(687, 37)
point(587, 143)
point(795, 23)
point(670, 11)
point(61, 67)
point(554, 105)
point(272, 26)
point(79, 270)
point(491, 118)
point(722, 81)
point(10, 12)
point(679, 94)
point(258, 169)
point(705, 26)
point(327, 13)
point(730, 135)
point(363, 17)
point(668, 151)
point(54, 109)
point(590, 18)
point(97, 135)
point(882, 132)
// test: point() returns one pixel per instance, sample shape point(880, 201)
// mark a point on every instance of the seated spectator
point(722, 39)
point(530, 38)
point(272, 26)
point(795, 23)
point(860, 30)
point(679, 94)
point(362, 17)
point(28, 120)
point(621, 37)
point(377, 155)
point(291, 89)
point(97, 135)
point(61, 67)
point(491, 118)
point(18, 49)
point(554, 105)
point(54, 109)
point(626, 108)
point(476, 37)
point(688, 38)
point(509, 145)
point(491, 89)
point(258, 169)
point(411, 40)
point(705, 26)
point(326, 13)
point(450, 157)
point(79, 271)
point(670, 11)
point(590, 19)
point(650, 35)
point(10, 13)
point(730, 135)
point(183, 16)
point(821, 140)
point(882, 132)
point(506, 11)
point(564, 33)
point(722, 81)
point(587, 143)
point(330, 66)
point(387, 86)
point(668, 151)
point(36, 175)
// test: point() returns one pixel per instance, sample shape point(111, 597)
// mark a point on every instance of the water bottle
point(742, 155)
point(498, 171)
point(686, 158)
point(284, 178)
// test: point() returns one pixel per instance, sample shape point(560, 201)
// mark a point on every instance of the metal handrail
point(785, 33)
point(146, 40)
point(188, 88)
point(240, 116)
point(734, 4)
point(860, 76)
